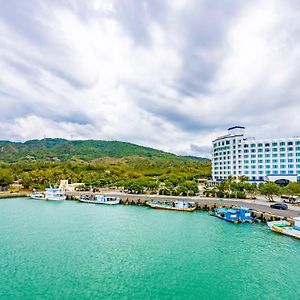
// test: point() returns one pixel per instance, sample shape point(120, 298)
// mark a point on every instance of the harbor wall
point(262, 212)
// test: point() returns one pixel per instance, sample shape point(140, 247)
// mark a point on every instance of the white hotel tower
point(260, 160)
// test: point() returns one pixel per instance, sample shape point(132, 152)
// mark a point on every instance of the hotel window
point(291, 172)
point(290, 154)
point(260, 161)
point(223, 143)
point(246, 172)
point(267, 161)
point(253, 161)
point(246, 146)
point(267, 166)
point(267, 145)
point(283, 172)
point(290, 149)
point(246, 156)
point(227, 142)
point(297, 159)
point(275, 155)
point(298, 143)
point(274, 144)
point(246, 167)
point(267, 150)
point(259, 145)
point(297, 154)
point(246, 161)
point(260, 172)
point(275, 167)
point(275, 149)
point(282, 166)
point(253, 172)
point(268, 172)
point(290, 166)
point(246, 151)
point(260, 150)
point(282, 149)
point(260, 167)
point(253, 156)
point(282, 160)
point(267, 155)
point(252, 150)
point(274, 160)
point(298, 166)
point(283, 155)
point(282, 143)
point(252, 145)
point(290, 160)
point(275, 172)
point(253, 167)
point(260, 155)
point(290, 143)
point(297, 148)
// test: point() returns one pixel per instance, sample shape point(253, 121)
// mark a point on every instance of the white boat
point(100, 199)
point(37, 196)
point(177, 205)
point(55, 194)
point(285, 227)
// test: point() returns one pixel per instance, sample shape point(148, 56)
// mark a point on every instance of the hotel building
point(259, 160)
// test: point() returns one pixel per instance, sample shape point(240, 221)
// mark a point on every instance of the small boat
point(230, 215)
point(55, 194)
point(177, 205)
point(100, 199)
point(286, 228)
point(37, 196)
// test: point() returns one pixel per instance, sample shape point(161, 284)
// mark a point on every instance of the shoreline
point(260, 210)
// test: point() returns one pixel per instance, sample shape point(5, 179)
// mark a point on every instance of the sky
point(169, 74)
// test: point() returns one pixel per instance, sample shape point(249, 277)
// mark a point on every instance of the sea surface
point(72, 250)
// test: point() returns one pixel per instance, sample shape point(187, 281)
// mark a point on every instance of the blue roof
point(232, 211)
point(234, 127)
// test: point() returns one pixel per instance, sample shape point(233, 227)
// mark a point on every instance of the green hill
point(87, 150)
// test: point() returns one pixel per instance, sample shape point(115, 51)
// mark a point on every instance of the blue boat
point(245, 214)
point(230, 215)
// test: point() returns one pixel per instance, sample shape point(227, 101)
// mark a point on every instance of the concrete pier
point(262, 211)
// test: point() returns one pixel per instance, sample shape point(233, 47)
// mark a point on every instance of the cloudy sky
point(170, 74)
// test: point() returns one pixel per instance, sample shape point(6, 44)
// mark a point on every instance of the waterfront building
point(260, 160)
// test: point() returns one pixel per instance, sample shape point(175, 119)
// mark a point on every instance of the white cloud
point(163, 74)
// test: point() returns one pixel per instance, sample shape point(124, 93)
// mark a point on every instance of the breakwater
point(264, 212)
point(12, 195)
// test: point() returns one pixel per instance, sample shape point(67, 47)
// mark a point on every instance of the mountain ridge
point(87, 150)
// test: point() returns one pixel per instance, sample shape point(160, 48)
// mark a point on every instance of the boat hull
point(115, 202)
point(285, 230)
point(189, 209)
point(228, 220)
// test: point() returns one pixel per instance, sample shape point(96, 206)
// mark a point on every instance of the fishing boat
point(286, 228)
point(177, 205)
point(55, 194)
point(230, 215)
point(37, 196)
point(100, 199)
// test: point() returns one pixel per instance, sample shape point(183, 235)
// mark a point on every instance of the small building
point(69, 187)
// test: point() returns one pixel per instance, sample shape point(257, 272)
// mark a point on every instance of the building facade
point(259, 160)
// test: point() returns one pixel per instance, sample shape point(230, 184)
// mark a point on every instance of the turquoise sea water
point(72, 250)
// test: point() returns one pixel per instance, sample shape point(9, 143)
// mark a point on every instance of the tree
point(243, 178)
point(6, 177)
point(269, 189)
point(292, 189)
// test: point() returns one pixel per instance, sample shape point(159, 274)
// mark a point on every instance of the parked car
point(290, 199)
point(279, 206)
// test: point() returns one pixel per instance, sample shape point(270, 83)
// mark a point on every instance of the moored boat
point(177, 205)
point(286, 228)
point(229, 215)
point(55, 194)
point(100, 199)
point(37, 196)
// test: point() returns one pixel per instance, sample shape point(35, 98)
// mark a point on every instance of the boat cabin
point(244, 213)
point(297, 223)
